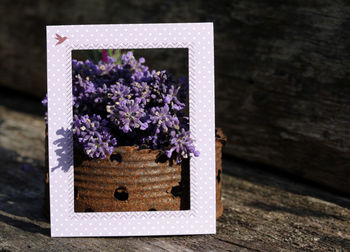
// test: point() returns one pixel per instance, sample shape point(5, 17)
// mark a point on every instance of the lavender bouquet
point(126, 104)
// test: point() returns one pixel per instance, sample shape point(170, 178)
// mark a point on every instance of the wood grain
point(262, 211)
point(283, 96)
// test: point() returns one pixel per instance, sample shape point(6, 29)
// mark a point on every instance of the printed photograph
point(131, 134)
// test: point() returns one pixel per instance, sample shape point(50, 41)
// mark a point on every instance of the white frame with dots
point(198, 38)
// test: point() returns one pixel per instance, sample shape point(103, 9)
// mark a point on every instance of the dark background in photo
point(117, 174)
point(174, 60)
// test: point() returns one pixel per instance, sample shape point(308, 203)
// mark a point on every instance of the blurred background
point(281, 71)
point(173, 60)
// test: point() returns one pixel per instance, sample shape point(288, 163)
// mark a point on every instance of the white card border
point(198, 38)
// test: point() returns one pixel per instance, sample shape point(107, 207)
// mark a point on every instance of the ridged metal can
point(130, 179)
point(133, 179)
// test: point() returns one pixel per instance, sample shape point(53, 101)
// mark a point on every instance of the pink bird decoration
point(60, 39)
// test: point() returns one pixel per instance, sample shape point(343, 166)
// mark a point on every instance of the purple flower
point(141, 92)
point(93, 135)
point(128, 115)
point(163, 119)
point(82, 90)
point(138, 68)
point(101, 94)
point(182, 144)
point(128, 102)
point(44, 101)
point(171, 98)
point(106, 65)
point(87, 68)
point(119, 93)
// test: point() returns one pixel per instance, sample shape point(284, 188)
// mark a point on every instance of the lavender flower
point(93, 135)
point(182, 144)
point(141, 92)
point(158, 85)
point(119, 93)
point(171, 98)
point(128, 115)
point(106, 65)
point(163, 119)
point(87, 68)
point(101, 94)
point(140, 71)
point(128, 102)
point(44, 101)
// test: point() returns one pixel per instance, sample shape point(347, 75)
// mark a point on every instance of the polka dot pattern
point(198, 38)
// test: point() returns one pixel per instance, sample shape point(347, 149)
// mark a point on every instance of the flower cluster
point(127, 104)
point(93, 135)
point(181, 143)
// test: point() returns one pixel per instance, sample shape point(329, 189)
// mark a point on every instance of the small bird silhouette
point(60, 39)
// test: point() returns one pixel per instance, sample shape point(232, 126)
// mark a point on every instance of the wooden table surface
point(264, 211)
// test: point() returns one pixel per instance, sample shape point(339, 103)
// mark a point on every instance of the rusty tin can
point(131, 179)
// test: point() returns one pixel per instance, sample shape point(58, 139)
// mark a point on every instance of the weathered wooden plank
point(263, 211)
point(283, 96)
